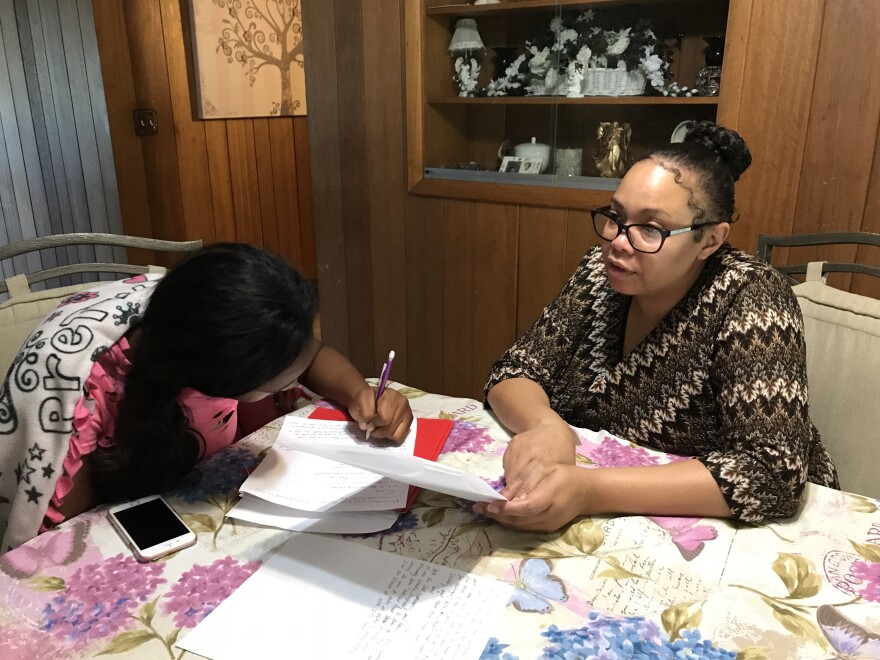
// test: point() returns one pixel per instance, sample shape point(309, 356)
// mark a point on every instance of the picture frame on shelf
point(521, 165)
point(531, 166)
point(511, 164)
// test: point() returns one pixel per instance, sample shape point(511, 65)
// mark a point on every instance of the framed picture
point(511, 164)
point(531, 166)
point(248, 59)
point(521, 165)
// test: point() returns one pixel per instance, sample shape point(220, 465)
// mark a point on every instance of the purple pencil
point(383, 381)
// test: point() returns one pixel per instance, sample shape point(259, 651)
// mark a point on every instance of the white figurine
point(551, 81)
point(575, 80)
point(467, 71)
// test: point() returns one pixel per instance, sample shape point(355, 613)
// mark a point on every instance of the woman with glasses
point(669, 337)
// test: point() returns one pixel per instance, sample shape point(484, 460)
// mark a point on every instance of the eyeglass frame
point(624, 229)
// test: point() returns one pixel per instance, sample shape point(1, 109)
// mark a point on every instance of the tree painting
point(263, 39)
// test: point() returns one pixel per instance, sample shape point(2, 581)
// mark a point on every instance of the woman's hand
point(550, 496)
point(551, 441)
point(389, 421)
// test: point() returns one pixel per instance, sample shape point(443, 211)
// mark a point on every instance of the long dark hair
point(717, 156)
point(223, 321)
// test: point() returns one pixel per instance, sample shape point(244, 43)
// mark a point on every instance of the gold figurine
point(612, 156)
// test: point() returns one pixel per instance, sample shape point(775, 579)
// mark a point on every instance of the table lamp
point(467, 49)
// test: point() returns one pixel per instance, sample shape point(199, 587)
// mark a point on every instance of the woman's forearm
point(333, 376)
point(521, 404)
point(683, 488)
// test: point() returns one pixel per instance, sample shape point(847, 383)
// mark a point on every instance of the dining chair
point(842, 332)
point(24, 309)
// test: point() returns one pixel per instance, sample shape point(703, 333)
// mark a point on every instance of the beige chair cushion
point(25, 309)
point(843, 370)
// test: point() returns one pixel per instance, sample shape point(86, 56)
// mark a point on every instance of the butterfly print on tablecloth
point(536, 587)
point(689, 537)
point(58, 547)
point(850, 640)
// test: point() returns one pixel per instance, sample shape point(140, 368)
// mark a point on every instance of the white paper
point(304, 480)
point(255, 510)
point(326, 598)
point(405, 468)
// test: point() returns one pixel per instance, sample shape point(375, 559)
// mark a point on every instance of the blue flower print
point(218, 474)
point(405, 521)
point(493, 651)
point(610, 638)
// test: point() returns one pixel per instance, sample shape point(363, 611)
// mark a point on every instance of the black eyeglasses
point(644, 238)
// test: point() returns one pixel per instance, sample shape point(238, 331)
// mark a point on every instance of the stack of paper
point(320, 598)
point(322, 476)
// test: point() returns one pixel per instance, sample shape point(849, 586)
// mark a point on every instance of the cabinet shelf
point(446, 132)
point(587, 100)
point(519, 6)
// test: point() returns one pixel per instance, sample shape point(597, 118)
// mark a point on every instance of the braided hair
point(718, 156)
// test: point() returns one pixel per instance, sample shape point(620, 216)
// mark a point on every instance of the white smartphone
point(151, 528)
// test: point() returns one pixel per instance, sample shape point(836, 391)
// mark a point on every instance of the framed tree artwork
point(248, 58)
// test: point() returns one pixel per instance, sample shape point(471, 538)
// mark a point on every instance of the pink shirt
point(94, 420)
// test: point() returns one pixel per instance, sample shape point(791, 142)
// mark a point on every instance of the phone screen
point(151, 523)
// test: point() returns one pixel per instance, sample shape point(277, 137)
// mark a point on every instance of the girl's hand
point(551, 496)
point(392, 419)
point(550, 442)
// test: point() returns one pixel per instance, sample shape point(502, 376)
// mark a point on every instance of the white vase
point(568, 162)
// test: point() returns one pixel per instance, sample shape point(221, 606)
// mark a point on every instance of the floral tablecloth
point(604, 587)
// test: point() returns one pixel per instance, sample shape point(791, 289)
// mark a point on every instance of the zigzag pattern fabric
point(722, 377)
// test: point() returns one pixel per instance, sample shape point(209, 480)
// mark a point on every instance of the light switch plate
point(146, 122)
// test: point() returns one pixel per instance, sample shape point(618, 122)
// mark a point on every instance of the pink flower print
point(82, 296)
point(99, 598)
point(204, 587)
point(870, 573)
point(467, 437)
point(612, 453)
point(23, 641)
point(498, 484)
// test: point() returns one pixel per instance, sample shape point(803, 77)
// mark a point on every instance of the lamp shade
point(465, 36)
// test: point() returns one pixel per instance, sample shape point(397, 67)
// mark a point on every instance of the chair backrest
point(842, 331)
point(25, 308)
point(113, 240)
point(767, 243)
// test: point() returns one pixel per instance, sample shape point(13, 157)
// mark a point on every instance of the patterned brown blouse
point(722, 377)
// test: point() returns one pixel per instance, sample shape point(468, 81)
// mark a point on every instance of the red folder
point(431, 435)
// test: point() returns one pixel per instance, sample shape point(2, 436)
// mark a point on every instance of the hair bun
point(724, 142)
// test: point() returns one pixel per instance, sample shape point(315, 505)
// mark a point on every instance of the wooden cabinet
point(446, 131)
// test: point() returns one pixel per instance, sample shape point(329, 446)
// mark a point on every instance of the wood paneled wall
point(243, 180)
point(450, 284)
point(810, 111)
point(56, 162)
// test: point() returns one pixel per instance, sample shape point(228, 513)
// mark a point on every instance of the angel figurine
point(575, 80)
point(613, 155)
point(467, 71)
